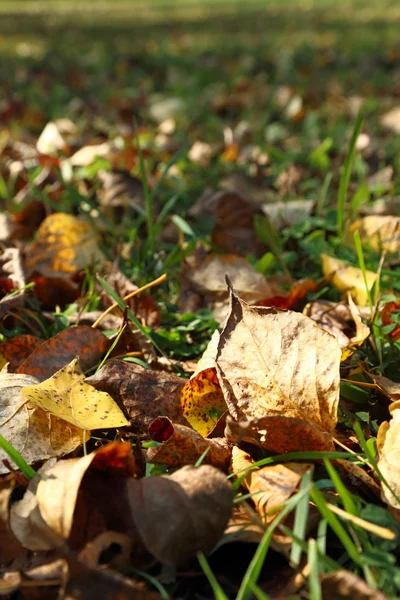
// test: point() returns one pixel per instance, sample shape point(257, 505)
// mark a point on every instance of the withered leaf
point(32, 431)
point(278, 363)
point(16, 350)
point(143, 394)
point(54, 354)
point(269, 486)
point(181, 514)
point(184, 446)
point(345, 585)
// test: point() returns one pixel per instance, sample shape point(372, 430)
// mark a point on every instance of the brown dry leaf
point(234, 216)
point(243, 526)
point(32, 431)
point(347, 278)
point(380, 232)
point(269, 486)
point(184, 446)
point(388, 445)
point(202, 401)
point(10, 547)
point(63, 245)
point(143, 394)
point(279, 434)
point(274, 363)
point(207, 280)
point(142, 305)
point(17, 350)
point(66, 395)
point(345, 585)
point(121, 192)
point(57, 352)
point(198, 502)
point(390, 388)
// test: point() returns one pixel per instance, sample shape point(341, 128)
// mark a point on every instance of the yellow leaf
point(64, 244)
point(67, 396)
point(347, 278)
point(380, 232)
point(388, 445)
point(203, 402)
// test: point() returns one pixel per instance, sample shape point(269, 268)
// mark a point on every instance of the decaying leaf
point(390, 388)
point(386, 316)
point(179, 515)
point(60, 350)
point(269, 486)
point(66, 396)
point(345, 585)
point(202, 401)
point(184, 446)
point(143, 394)
point(274, 363)
point(388, 445)
point(17, 350)
point(347, 278)
point(63, 245)
point(34, 432)
point(380, 232)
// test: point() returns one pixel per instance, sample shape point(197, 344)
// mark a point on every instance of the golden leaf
point(347, 278)
point(67, 396)
point(380, 232)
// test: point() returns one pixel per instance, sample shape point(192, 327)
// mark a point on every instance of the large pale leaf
point(278, 363)
point(67, 396)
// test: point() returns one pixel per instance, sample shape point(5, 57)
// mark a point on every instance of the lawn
point(203, 190)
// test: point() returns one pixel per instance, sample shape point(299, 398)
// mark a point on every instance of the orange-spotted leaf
point(202, 401)
point(67, 396)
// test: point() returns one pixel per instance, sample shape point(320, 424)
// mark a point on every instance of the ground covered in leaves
point(200, 300)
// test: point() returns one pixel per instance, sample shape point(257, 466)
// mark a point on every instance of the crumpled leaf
point(32, 431)
point(58, 351)
point(198, 502)
point(269, 486)
point(184, 446)
point(143, 394)
point(347, 278)
point(388, 445)
point(380, 232)
point(63, 245)
point(66, 396)
point(202, 401)
point(74, 495)
point(278, 363)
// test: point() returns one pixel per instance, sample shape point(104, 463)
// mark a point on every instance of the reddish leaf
point(17, 350)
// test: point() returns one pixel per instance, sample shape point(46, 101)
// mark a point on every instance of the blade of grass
point(148, 199)
point(219, 593)
point(313, 578)
point(17, 458)
point(115, 342)
point(256, 564)
point(321, 202)
point(345, 178)
point(361, 262)
point(300, 518)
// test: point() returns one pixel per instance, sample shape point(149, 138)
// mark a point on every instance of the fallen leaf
point(298, 290)
point(58, 351)
point(120, 193)
point(380, 232)
point(66, 396)
point(391, 119)
point(16, 350)
point(345, 585)
point(198, 502)
point(184, 446)
point(386, 316)
point(51, 140)
point(347, 278)
point(390, 388)
point(278, 363)
point(87, 155)
point(32, 431)
point(10, 547)
point(269, 486)
point(388, 446)
point(203, 402)
point(63, 245)
point(143, 394)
